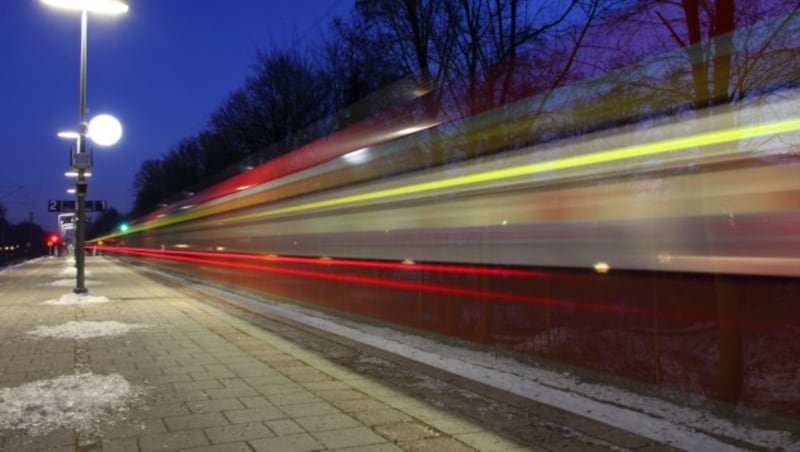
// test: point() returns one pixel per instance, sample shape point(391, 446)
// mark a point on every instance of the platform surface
point(166, 371)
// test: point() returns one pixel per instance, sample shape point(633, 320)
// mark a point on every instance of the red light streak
point(200, 257)
point(443, 268)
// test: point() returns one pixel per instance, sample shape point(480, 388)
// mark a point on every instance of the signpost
point(68, 205)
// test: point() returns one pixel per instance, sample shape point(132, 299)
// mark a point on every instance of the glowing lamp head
point(105, 130)
point(69, 134)
point(106, 7)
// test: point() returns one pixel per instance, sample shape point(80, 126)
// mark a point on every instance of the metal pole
point(80, 185)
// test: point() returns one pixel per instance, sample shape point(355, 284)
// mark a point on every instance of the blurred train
point(660, 245)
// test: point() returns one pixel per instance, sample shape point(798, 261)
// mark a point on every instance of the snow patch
point(71, 282)
point(85, 329)
point(74, 298)
point(82, 401)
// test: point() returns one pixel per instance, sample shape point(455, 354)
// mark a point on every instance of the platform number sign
point(96, 206)
point(56, 205)
point(69, 205)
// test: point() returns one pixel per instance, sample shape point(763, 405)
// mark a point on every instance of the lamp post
point(81, 160)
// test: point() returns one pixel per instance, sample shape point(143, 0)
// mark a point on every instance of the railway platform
point(140, 364)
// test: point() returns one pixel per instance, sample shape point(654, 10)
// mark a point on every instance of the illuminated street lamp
point(81, 160)
point(106, 7)
point(105, 130)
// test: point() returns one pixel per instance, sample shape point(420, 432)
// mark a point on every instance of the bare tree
point(284, 94)
point(148, 186)
point(414, 37)
point(708, 53)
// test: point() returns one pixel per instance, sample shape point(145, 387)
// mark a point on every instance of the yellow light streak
point(610, 155)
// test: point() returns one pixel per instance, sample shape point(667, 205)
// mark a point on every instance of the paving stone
point(194, 421)
point(406, 432)
point(183, 369)
point(340, 394)
point(227, 393)
point(284, 427)
point(335, 421)
point(254, 415)
point(167, 410)
point(348, 437)
point(294, 398)
point(273, 385)
point(173, 440)
point(248, 369)
point(436, 445)
point(239, 446)
point(212, 375)
point(255, 401)
point(296, 443)
point(329, 385)
point(366, 404)
point(169, 378)
point(379, 417)
point(238, 432)
point(197, 385)
point(383, 447)
point(121, 445)
point(309, 409)
point(61, 439)
point(207, 406)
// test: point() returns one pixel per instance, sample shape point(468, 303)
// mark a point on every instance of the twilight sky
point(161, 69)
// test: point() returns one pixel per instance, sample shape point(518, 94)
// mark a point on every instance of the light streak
point(419, 285)
point(403, 265)
point(357, 156)
point(610, 155)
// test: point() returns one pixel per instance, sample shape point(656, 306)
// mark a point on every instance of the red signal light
point(53, 239)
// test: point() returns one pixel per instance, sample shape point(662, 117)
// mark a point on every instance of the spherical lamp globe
point(105, 130)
